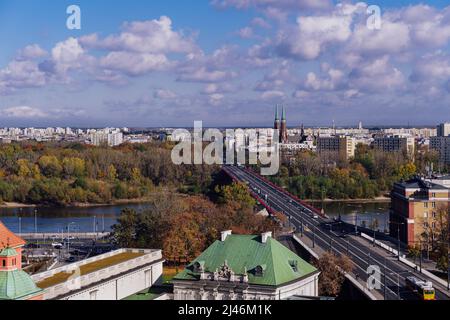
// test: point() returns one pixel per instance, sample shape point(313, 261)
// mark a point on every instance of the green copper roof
point(283, 117)
point(17, 285)
point(8, 252)
point(244, 253)
point(276, 114)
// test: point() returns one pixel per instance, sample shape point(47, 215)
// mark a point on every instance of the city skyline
point(225, 62)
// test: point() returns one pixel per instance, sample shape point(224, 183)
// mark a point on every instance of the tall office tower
point(443, 130)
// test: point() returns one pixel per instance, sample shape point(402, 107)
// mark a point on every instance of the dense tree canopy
point(68, 173)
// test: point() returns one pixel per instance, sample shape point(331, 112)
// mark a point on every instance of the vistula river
point(102, 218)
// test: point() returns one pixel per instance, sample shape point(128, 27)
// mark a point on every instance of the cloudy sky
point(226, 62)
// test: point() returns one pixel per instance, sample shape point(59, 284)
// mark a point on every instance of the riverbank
point(12, 205)
point(16, 205)
point(382, 199)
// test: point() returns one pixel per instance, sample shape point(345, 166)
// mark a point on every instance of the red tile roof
point(9, 238)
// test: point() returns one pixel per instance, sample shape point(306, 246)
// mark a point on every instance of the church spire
point(276, 114)
point(283, 118)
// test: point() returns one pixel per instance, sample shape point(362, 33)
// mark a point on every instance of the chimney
point(225, 234)
point(265, 236)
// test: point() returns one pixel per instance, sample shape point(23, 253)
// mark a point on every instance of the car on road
point(315, 216)
point(71, 259)
point(57, 245)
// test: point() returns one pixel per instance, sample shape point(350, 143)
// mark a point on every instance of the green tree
point(236, 192)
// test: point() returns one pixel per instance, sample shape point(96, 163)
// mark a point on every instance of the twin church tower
point(281, 125)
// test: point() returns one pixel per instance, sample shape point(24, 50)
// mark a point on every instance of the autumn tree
point(236, 192)
point(332, 273)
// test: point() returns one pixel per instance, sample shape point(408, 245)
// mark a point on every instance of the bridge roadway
point(319, 230)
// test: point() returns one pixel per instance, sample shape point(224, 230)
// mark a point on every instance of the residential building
point(414, 206)
point(443, 130)
point(442, 146)
point(246, 267)
point(341, 147)
point(395, 144)
point(15, 284)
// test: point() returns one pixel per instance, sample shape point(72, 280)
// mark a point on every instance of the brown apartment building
point(414, 206)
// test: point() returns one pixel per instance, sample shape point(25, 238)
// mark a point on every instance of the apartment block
point(414, 207)
point(395, 144)
point(342, 147)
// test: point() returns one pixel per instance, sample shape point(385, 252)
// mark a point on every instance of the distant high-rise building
point(441, 145)
point(341, 147)
point(395, 144)
point(443, 130)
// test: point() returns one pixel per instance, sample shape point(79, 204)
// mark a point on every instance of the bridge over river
point(318, 234)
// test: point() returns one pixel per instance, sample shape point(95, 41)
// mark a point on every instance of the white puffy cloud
point(246, 33)
point(272, 95)
point(205, 75)
point(32, 51)
point(279, 4)
point(152, 36)
point(164, 94)
point(334, 80)
point(377, 76)
point(23, 112)
point(19, 75)
point(134, 64)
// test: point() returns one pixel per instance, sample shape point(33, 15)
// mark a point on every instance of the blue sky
point(226, 62)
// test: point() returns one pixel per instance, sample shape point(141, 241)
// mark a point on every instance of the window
point(294, 265)
point(425, 214)
point(4, 262)
point(259, 271)
point(425, 204)
point(433, 195)
point(434, 204)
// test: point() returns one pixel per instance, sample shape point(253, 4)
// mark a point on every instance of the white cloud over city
point(316, 57)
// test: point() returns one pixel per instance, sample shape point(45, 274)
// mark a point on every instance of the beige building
point(342, 147)
point(414, 207)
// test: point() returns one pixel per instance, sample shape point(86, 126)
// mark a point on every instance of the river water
point(99, 219)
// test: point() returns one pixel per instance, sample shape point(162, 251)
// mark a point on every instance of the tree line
point(72, 173)
point(369, 174)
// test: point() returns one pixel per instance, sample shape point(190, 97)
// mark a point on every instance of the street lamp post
point(384, 279)
point(314, 236)
point(356, 223)
point(20, 226)
point(68, 236)
point(35, 221)
point(420, 257)
point(398, 240)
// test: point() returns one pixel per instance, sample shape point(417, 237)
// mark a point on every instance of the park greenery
point(368, 175)
point(72, 173)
